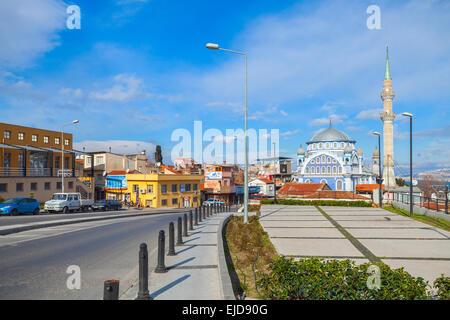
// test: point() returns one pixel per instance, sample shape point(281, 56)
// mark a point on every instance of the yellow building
point(164, 190)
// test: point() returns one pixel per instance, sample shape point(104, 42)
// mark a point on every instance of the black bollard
point(179, 233)
point(196, 217)
point(161, 268)
point(185, 234)
point(191, 227)
point(111, 290)
point(171, 240)
point(200, 213)
point(143, 293)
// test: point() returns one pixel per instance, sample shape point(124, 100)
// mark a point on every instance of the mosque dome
point(330, 134)
point(348, 149)
point(376, 153)
point(301, 151)
point(359, 151)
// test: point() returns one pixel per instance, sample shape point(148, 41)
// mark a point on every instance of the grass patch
point(251, 251)
point(334, 203)
point(435, 222)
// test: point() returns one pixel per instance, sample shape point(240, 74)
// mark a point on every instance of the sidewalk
point(360, 234)
point(193, 273)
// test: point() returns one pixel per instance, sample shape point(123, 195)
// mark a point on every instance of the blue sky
point(139, 69)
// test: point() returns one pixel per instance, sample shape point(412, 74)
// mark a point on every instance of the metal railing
point(435, 204)
point(34, 172)
point(328, 194)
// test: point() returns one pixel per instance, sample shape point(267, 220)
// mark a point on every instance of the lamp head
point(407, 114)
point(75, 121)
point(212, 46)
point(376, 133)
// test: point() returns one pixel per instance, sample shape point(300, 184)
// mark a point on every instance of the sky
point(137, 70)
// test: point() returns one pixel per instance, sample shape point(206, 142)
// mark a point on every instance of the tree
point(400, 182)
point(158, 155)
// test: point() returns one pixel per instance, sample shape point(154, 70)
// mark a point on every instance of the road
point(34, 263)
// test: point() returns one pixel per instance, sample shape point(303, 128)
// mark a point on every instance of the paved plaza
point(360, 234)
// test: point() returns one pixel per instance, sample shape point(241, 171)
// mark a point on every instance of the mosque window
point(329, 160)
point(328, 145)
point(342, 145)
point(323, 181)
point(324, 159)
point(334, 169)
point(317, 160)
point(339, 185)
point(340, 169)
point(329, 170)
point(313, 145)
point(308, 181)
point(307, 170)
point(313, 161)
point(320, 145)
point(317, 170)
point(334, 161)
point(335, 145)
point(323, 170)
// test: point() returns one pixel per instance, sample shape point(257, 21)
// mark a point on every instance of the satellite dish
point(128, 170)
point(414, 182)
point(158, 164)
point(104, 173)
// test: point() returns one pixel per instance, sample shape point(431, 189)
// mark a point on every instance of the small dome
point(360, 152)
point(348, 149)
point(376, 153)
point(301, 151)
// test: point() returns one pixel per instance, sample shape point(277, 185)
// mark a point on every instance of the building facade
point(31, 163)
point(332, 158)
point(219, 182)
point(163, 190)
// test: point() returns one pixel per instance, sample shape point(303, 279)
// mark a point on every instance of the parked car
point(212, 202)
point(67, 202)
point(105, 205)
point(16, 206)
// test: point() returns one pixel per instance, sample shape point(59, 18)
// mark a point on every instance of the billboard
point(214, 175)
point(116, 182)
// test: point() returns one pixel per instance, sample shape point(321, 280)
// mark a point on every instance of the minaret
point(388, 131)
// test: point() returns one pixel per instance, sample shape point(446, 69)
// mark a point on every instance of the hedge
point(338, 203)
point(319, 279)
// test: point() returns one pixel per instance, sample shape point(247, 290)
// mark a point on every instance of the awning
point(8, 146)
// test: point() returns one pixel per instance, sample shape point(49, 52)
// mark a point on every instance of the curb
point(40, 225)
point(226, 287)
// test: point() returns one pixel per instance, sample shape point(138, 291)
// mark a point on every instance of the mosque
point(331, 157)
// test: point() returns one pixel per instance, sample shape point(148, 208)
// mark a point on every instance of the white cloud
point(117, 146)
point(28, 29)
point(335, 119)
point(126, 88)
point(372, 114)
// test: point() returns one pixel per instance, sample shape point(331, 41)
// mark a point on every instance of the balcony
point(34, 172)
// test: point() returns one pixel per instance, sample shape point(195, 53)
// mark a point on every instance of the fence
point(34, 172)
point(436, 204)
point(337, 195)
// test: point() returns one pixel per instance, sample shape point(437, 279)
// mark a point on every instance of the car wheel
point(65, 210)
point(14, 212)
point(36, 212)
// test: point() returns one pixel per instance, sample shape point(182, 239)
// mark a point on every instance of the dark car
point(16, 206)
point(106, 205)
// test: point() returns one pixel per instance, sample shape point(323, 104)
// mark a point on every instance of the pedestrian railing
point(435, 204)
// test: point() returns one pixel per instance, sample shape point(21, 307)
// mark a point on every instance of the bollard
point(200, 213)
point(111, 290)
point(191, 227)
point(185, 234)
point(143, 293)
point(161, 268)
point(171, 240)
point(196, 217)
point(179, 233)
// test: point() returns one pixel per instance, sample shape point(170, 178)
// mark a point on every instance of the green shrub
point(339, 203)
point(442, 286)
point(318, 279)
point(1, 199)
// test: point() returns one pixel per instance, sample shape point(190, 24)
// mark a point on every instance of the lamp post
point(406, 114)
point(62, 151)
point(380, 200)
point(215, 46)
point(274, 171)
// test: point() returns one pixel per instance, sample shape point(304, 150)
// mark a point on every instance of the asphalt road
point(34, 263)
point(29, 218)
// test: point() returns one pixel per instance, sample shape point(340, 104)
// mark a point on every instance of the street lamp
point(62, 151)
point(215, 46)
point(407, 114)
point(380, 200)
point(274, 172)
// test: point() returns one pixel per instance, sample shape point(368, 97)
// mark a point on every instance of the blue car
point(16, 206)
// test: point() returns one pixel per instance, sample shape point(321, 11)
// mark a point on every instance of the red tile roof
point(119, 172)
point(368, 187)
point(294, 188)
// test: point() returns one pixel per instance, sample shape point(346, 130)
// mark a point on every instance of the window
point(313, 161)
point(150, 188)
point(34, 137)
point(323, 170)
point(323, 181)
point(334, 169)
point(174, 188)
point(100, 160)
point(20, 160)
point(317, 170)
point(318, 160)
point(164, 188)
point(340, 169)
point(47, 186)
point(164, 202)
point(195, 187)
point(320, 145)
point(19, 187)
point(57, 162)
point(188, 187)
point(339, 185)
point(335, 145)
point(135, 188)
point(342, 145)
point(45, 139)
point(66, 162)
point(56, 140)
point(7, 134)
point(307, 170)
point(174, 201)
point(21, 136)
point(70, 185)
point(324, 159)
point(33, 186)
point(66, 142)
point(194, 200)
point(58, 185)
point(3, 187)
point(329, 170)
point(328, 145)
